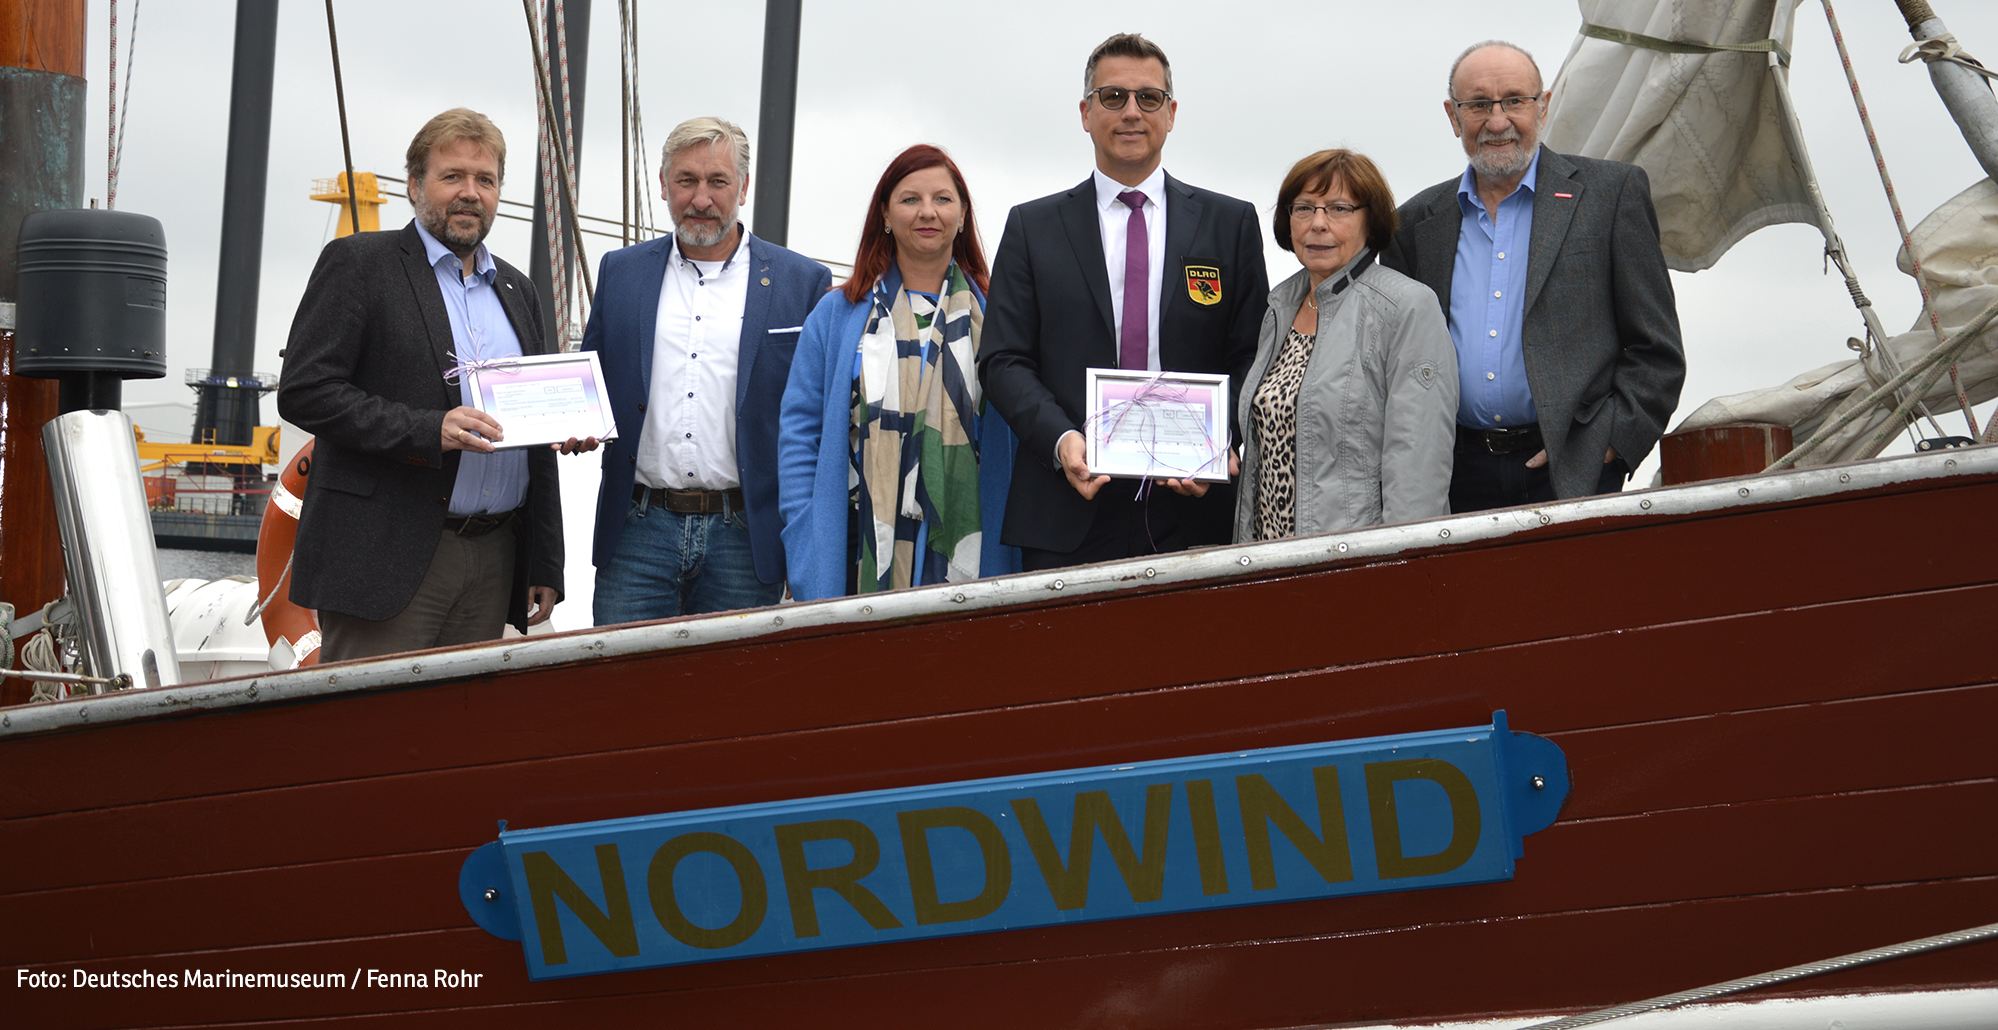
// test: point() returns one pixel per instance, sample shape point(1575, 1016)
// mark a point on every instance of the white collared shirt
point(688, 442)
point(1115, 218)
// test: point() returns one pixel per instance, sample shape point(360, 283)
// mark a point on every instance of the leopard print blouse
point(1276, 435)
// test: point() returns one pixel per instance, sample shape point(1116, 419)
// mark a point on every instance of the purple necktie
point(1134, 341)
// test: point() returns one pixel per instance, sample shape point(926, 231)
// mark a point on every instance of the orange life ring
point(298, 627)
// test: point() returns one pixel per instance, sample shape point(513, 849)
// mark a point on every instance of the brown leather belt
point(689, 502)
point(1500, 441)
point(477, 525)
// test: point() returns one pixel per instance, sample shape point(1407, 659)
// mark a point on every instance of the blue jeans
point(668, 564)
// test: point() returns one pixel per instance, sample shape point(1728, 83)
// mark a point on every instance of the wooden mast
point(41, 168)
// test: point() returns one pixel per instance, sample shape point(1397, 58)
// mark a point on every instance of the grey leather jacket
point(1377, 412)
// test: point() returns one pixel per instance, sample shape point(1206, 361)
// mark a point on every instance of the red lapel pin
point(1565, 196)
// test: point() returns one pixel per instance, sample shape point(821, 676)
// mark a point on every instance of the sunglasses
point(1113, 97)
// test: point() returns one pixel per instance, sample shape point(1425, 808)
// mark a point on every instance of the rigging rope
point(572, 252)
point(1934, 362)
point(1944, 48)
point(1674, 46)
point(1900, 220)
point(111, 127)
point(558, 270)
point(115, 124)
point(340, 98)
point(624, 121)
point(544, 89)
point(638, 168)
point(1809, 969)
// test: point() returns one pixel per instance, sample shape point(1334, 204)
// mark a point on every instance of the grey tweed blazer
point(364, 372)
point(1603, 354)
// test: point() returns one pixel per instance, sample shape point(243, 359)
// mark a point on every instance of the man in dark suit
point(1569, 361)
point(696, 330)
point(417, 531)
point(1133, 269)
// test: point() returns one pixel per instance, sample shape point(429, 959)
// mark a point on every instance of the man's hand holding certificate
point(545, 400)
point(1168, 426)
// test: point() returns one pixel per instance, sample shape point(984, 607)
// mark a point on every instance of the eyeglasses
point(1304, 212)
point(1113, 97)
point(1483, 108)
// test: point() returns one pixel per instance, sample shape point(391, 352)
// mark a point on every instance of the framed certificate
point(1162, 425)
point(543, 399)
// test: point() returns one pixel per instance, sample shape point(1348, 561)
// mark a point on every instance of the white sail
point(1707, 127)
point(1959, 248)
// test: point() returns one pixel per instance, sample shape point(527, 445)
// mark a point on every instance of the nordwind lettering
point(1280, 824)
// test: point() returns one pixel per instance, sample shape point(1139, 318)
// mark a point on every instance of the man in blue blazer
point(1130, 269)
point(696, 332)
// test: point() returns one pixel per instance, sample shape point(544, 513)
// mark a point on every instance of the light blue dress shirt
point(1488, 306)
point(487, 483)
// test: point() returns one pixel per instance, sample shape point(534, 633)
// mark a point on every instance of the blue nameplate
point(1391, 813)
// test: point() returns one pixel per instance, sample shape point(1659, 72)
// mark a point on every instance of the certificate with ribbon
point(1157, 425)
point(544, 398)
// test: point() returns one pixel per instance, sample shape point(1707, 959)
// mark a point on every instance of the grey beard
point(694, 237)
point(438, 224)
point(1495, 168)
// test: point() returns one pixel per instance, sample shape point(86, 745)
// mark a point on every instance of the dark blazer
point(364, 373)
point(783, 288)
point(1603, 355)
point(1049, 317)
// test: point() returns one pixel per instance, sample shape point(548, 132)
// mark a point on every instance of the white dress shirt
point(688, 442)
point(1115, 218)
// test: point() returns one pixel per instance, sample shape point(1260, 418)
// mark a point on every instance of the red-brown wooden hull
point(1776, 757)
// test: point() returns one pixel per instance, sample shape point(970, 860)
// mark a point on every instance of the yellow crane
point(158, 461)
point(368, 197)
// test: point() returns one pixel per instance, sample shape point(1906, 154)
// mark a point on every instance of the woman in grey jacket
point(1349, 413)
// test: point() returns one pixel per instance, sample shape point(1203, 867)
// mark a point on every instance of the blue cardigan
point(813, 462)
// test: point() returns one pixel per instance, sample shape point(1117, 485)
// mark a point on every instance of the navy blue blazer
point(783, 288)
point(1048, 280)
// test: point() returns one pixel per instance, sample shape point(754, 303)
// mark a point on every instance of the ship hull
point(1774, 696)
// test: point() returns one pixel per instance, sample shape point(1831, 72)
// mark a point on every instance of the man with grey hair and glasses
point(696, 332)
point(1549, 272)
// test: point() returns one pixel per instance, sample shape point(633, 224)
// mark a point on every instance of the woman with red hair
point(891, 471)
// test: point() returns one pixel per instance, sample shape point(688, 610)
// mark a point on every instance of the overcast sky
point(1260, 84)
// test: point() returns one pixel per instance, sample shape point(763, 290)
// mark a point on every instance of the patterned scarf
point(915, 455)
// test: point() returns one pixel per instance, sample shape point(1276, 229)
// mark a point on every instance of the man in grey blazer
point(417, 531)
point(1549, 271)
